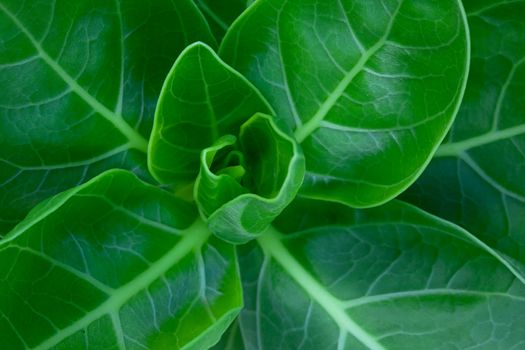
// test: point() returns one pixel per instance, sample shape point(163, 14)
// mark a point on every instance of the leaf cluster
point(268, 174)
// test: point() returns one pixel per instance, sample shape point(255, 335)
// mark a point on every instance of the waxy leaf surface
point(388, 278)
point(115, 264)
point(369, 88)
point(80, 81)
point(477, 178)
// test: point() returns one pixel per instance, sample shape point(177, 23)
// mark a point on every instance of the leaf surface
point(202, 99)
point(476, 178)
point(115, 264)
point(80, 83)
point(271, 173)
point(369, 88)
point(392, 277)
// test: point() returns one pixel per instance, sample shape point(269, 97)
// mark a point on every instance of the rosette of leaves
point(240, 183)
point(247, 235)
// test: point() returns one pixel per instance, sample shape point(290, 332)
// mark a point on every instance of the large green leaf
point(370, 88)
point(202, 99)
point(115, 264)
point(393, 277)
point(477, 178)
point(221, 14)
point(241, 200)
point(80, 80)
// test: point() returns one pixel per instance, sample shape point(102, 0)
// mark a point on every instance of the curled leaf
point(253, 186)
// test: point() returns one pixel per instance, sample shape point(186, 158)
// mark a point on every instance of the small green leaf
point(274, 170)
point(115, 264)
point(202, 99)
point(476, 178)
point(80, 80)
point(369, 88)
point(392, 277)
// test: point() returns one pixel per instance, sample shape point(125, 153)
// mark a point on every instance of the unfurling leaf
point(202, 99)
point(241, 199)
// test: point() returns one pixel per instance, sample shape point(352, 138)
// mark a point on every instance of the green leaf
point(392, 277)
point(231, 340)
point(369, 88)
point(221, 14)
point(202, 99)
point(212, 190)
point(115, 264)
point(271, 173)
point(476, 178)
point(80, 81)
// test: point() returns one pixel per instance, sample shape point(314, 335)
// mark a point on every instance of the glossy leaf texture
point(202, 99)
point(242, 190)
point(392, 277)
point(80, 81)
point(477, 177)
point(221, 14)
point(369, 88)
point(115, 264)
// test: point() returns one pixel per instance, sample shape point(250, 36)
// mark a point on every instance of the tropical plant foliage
point(269, 174)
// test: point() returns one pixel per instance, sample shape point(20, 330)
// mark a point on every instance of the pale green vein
point(272, 245)
point(135, 139)
point(311, 125)
point(455, 149)
point(452, 149)
point(194, 237)
point(503, 93)
point(208, 11)
point(79, 274)
point(117, 326)
point(493, 6)
point(72, 164)
point(427, 293)
point(118, 107)
point(209, 104)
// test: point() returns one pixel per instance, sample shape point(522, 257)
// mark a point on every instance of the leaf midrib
point(135, 139)
point(272, 246)
point(301, 133)
point(193, 237)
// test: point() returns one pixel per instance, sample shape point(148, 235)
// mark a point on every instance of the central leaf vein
point(311, 125)
point(272, 245)
point(193, 238)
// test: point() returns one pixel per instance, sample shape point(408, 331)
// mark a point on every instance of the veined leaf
point(392, 277)
point(115, 264)
point(369, 88)
point(221, 14)
point(476, 177)
point(272, 171)
point(202, 99)
point(80, 80)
